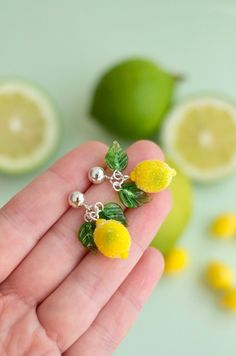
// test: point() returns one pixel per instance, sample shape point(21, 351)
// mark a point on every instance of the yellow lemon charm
point(152, 176)
point(176, 260)
point(224, 226)
point(229, 300)
point(219, 275)
point(112, 238)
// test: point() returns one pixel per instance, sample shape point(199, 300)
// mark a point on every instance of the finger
point(58, 252)
point(71, 308)
point(103, 336)
point(27, 216)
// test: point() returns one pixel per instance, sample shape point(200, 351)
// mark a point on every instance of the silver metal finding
point(92, 211)
point(117, 179)
point(77, 199)
point(96, 175)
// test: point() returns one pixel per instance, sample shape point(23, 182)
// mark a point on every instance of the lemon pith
point(152, 176)
point(112, 238)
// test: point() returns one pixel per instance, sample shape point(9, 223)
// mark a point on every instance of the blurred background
point(65, 47)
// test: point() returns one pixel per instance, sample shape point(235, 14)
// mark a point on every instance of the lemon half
point(29, 127)
point(200, 136)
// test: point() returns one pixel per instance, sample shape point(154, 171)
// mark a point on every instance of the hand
point(55, 297)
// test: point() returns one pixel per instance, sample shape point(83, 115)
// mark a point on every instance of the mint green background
point(64, 45)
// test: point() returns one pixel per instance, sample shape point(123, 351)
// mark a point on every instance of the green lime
point(178, 217)
point(131, 98)
point(200, 136)
point(29, 127)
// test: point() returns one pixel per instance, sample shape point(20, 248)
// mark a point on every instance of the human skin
point(56, 297)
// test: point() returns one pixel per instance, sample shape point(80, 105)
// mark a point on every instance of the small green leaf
point(116, 158)
point(85, 235)
point(113, 211)
point(131, 196)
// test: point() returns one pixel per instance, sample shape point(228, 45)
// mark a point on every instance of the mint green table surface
point(64, 45)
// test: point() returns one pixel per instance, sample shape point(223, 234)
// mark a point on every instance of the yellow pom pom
point(176, 260)
point(224, 226)
point(152, 176)
point(112, 238)
point(229, 299)
point(219, 275)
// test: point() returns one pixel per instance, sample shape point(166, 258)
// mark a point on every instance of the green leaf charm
point(85, 235)
point(131, 196)
point(116, 158)
point(113, 211)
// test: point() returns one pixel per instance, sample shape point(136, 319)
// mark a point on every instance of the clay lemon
point(112, 238)
point(152, 176)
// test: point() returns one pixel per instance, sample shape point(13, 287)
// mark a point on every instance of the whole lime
point(132, 98)
point(178, 217)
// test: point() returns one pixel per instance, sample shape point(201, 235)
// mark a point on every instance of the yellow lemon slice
point(29, 128)
point(152, 176)
point(112, 238)
point(200, 136)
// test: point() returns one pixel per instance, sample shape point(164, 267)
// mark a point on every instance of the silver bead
point(96, 175)
point(76, 199)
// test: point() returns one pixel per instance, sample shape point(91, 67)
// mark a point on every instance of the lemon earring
point(150, 176)
point(104, 226)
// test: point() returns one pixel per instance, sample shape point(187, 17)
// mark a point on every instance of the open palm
point(56, 297)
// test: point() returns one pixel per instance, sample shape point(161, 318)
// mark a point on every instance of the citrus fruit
point(224, 226)
point(219, 275)
point(112, 238)
point(176, 260)
point(229, 300)
point(29, 128)
point(132, 97)
point(152, 176)
point(200, 136)
point(175, 223)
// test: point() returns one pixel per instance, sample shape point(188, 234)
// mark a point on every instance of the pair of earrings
point(104, 226)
